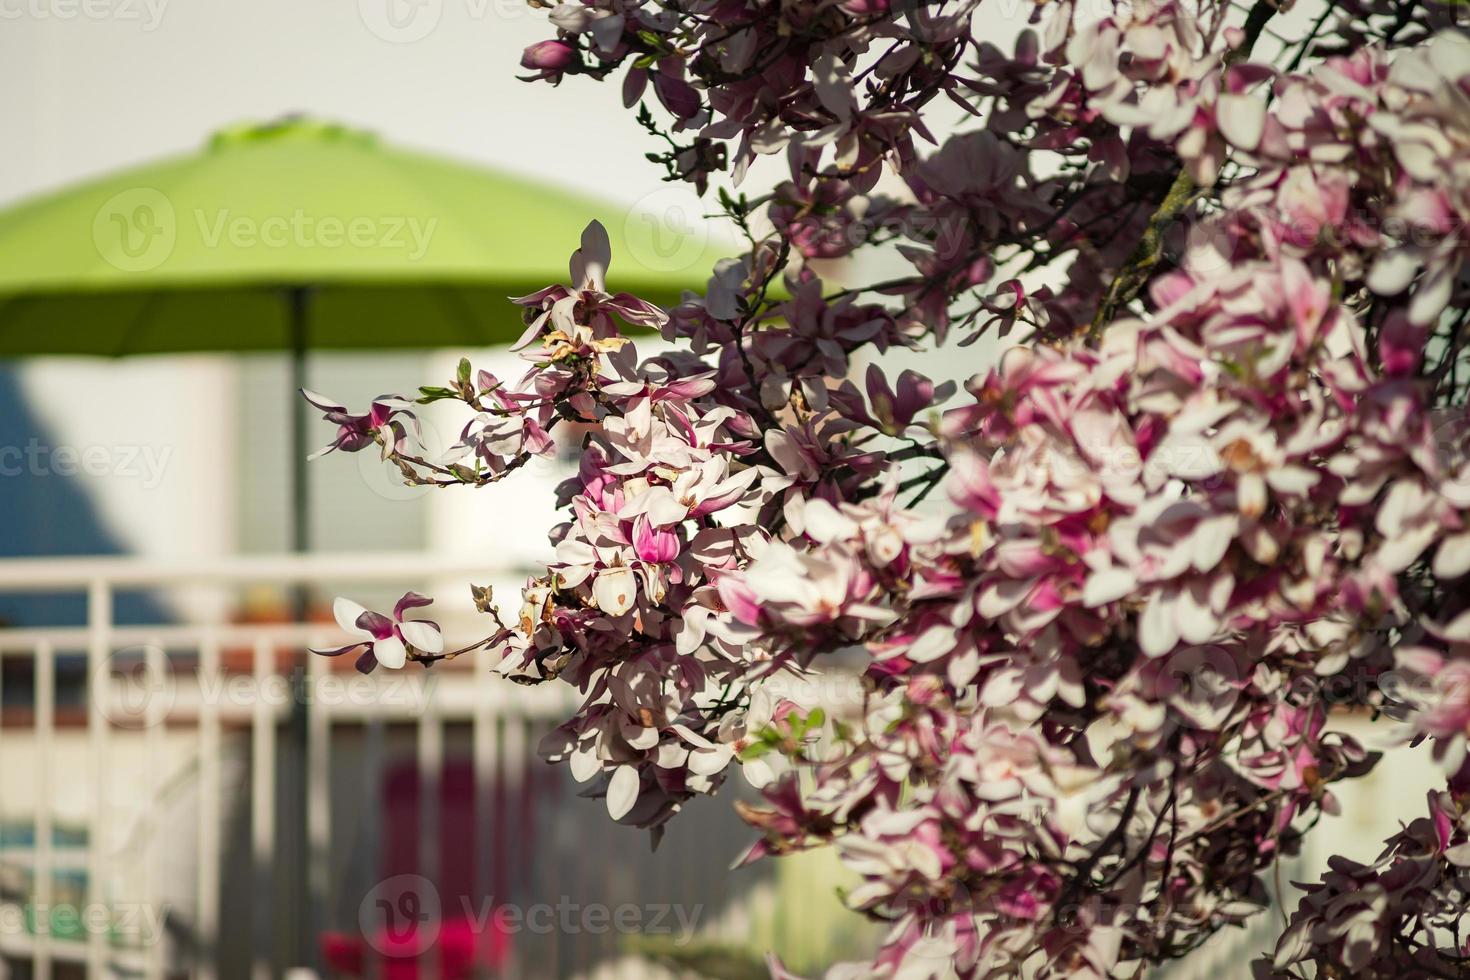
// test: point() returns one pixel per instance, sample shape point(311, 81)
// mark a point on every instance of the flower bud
point(549, 56)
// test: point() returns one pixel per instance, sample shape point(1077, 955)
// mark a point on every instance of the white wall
point(150, 465)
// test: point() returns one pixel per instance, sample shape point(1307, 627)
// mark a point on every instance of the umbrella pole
point(299, 919)
point(298, 300)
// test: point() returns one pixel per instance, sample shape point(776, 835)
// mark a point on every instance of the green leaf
point(1232, 368)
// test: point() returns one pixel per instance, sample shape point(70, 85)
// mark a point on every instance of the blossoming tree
point(1100, 594)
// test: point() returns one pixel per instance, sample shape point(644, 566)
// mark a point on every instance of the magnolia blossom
point(385, 642)
point(1046, 657)
point(357, 432)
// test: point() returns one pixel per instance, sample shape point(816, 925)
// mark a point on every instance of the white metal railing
point(187, 662)
point(189, 691)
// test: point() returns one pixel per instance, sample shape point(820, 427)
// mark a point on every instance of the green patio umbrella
point(301, 235)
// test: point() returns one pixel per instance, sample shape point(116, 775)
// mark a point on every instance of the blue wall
point(49, 515)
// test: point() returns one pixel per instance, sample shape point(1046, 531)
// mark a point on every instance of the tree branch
point(1139, 266)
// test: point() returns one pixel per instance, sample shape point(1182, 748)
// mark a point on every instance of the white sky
point(126, 84)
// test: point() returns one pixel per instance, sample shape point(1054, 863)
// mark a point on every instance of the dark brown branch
point(1139, 266)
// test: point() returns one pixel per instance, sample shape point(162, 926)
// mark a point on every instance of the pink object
point(461, 947)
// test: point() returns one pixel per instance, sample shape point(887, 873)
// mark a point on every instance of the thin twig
point(1137, 269)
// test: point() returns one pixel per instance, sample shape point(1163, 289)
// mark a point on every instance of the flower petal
point(410, 600)
point(615, 590)
point(375, 625)
point(321, 401)
point(346, 612)
point(335, 652)
point(391, 652)
point(422, 635)
point(1453, 557)
point(1157, 631)
point(622, 792)
point(1107, 585)
point(1242, 120)
point(590, 262)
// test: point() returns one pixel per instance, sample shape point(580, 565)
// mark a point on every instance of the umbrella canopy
point(304, 235)
point(211, 251)
point(299, 235)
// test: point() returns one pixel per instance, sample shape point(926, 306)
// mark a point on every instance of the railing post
point(211, 687)
point(263, 812)
point(45, 741)
point(431, 771)
point(318, 807)
point(488, 837)
point(511, 826)
point(154, 719)
point(277, 828)
point(99, 653)
point(374, 756)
